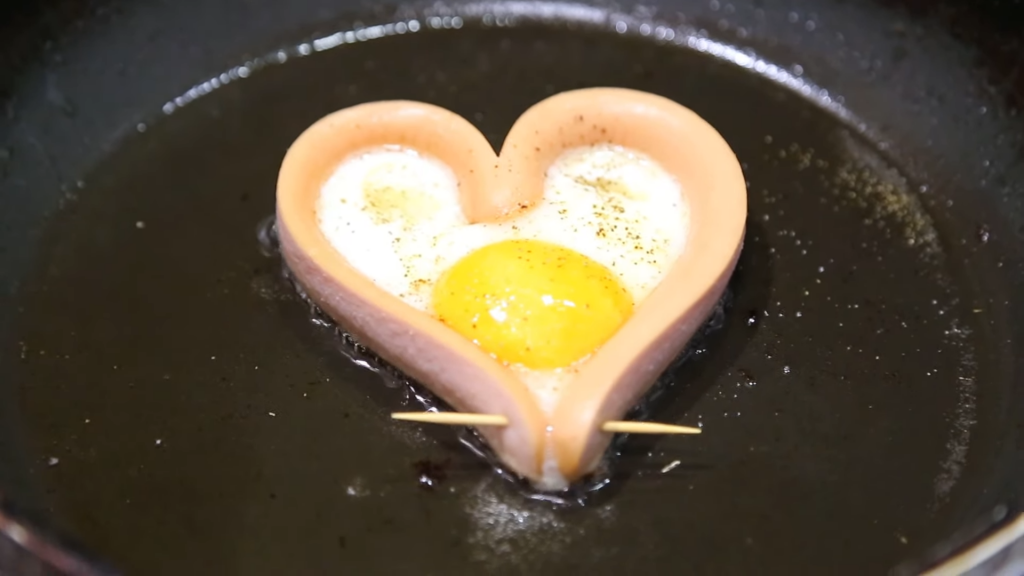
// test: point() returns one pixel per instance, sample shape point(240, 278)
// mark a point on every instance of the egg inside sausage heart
point(540, 290)
point(551, 284)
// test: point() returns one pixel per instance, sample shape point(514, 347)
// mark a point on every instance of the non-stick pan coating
point(168, 401)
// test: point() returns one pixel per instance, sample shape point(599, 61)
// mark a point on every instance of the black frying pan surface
point(176, 407)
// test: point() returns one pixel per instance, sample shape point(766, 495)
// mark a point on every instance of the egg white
point(394, 214)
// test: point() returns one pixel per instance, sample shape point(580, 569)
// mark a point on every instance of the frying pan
point(168, 404)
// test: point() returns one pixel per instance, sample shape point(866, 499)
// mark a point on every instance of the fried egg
point(539, 292)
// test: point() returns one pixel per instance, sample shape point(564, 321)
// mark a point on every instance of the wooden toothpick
point(472, 419)
point(628, 427)
point(453, 418)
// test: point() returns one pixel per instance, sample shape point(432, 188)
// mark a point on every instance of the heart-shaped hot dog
point(565, 442)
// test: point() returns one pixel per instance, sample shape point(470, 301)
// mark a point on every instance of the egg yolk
point(532, 303)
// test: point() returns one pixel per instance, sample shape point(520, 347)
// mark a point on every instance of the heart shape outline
point(494, 186)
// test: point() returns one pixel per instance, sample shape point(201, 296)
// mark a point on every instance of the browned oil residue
point(430, 474)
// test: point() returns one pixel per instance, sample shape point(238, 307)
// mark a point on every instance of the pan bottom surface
point(187, 416)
